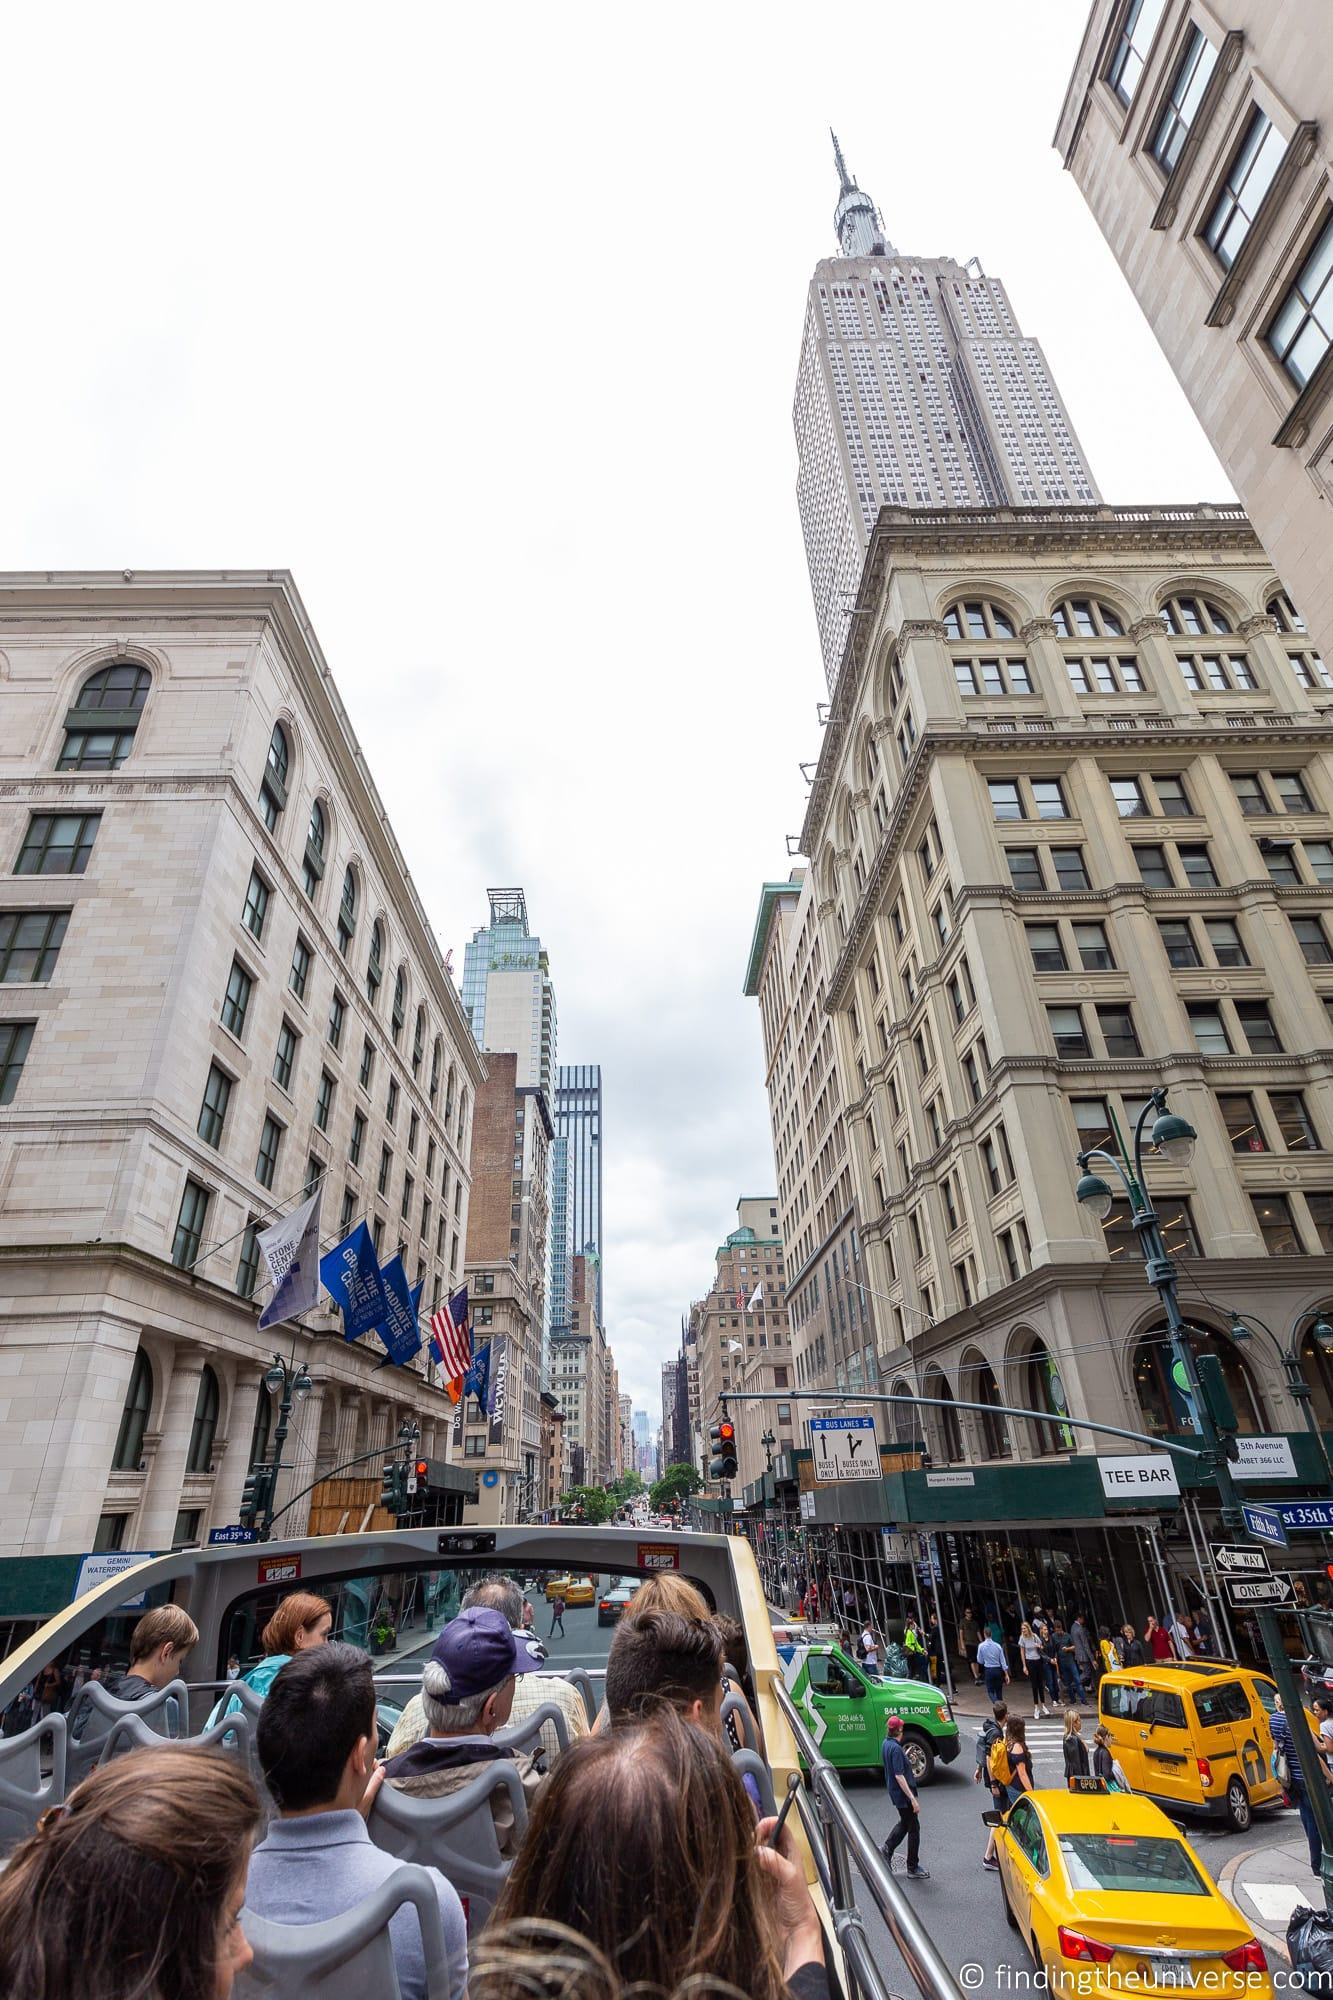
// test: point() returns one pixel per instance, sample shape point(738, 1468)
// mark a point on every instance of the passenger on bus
point(669, 1591)
point(502, 1594)
point(158, 1645)
point(467, 1690)
point(316, 1743)
point(664, 1661)
point(300, 1621)
point(678, 1885)
point(134, 1886)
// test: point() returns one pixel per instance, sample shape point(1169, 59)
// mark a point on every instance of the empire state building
point(916, 388)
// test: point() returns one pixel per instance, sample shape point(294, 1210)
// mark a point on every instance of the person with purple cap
point(467, 1693)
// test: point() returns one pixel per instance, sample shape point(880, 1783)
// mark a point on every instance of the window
point(1070, 872)
point(256, 904)
point(1178, 943)
point(398, 1013)
point(1093, 948)
point(1302, 328)
point(1004, 798)
point(1216, 673)
point(1197, 865)
point(972, 1077)
point(1321, 1214)
point(1197, 61)
point(978, 619)
point(236, 1000)
point(1087, 618)
point(1280, 861)
point(1291, 793)
point(1068, 1032)
point(1152, 866)
point(1049, 799)
point(204, 1427)
point(1003, 677)
point(299, 976)
point(1242, 1122)
point(284, 1058)
point(247, 1271)
point(1272, 1214)
point(213, 1110)
point(134, 1416)
point(1092, 1122)
point(358, 1137)
point(1047, 951)
point(1177, 1229)
point(312, 865)
point(30, 943)
point(57, 844)
point(1224, 938)
point(1172, 798)
point(409, 1189)
point(1248, 180)
point(189, 1225)
point(1131, 48)
point(1309, 934)
point(1208, 1028)
point(15, 1041)
point(348, 1209)
point(1293, 1122)
point(99, 729)
point(1187, 617)
point(367, 1063)
point(1025, 869)
point(347, 913)
point(386, 1169)
point(1105, 676)
point(273, 786)
point(413, 1132)
point(1129, 800)
point(1284, 613)
point(1257, 1027)
point(337, 1015)
point(1319, 859)
point(419, 1042)
point(1118, 1033)
point(391, 1103)
point(1250, 794)
point(375, 962)
point(266, 1160)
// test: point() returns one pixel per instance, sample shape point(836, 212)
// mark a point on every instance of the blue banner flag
point(417, 1290)
point(399, 1329)
point(477, 1380)
point(351, 1275)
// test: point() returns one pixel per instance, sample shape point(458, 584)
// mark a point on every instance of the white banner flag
point(291, 1251)
point(756, 1300)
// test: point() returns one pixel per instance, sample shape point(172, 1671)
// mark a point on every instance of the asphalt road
point(585, 1642)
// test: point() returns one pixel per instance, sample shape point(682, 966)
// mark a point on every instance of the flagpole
point(275, 1209)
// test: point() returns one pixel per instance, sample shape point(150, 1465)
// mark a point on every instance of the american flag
point(450, 1340)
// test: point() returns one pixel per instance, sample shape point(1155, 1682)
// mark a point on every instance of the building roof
point(769, 897)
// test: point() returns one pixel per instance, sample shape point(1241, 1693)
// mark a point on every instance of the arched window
point(375, 962)
point(978, 618)
point(1163, 1393)
point(1280, 608)
point(312, 868)
point(134, 1416)
point(205, 1424)
point(436, 1059)
point(1087, 618)
point(980, 1386)
point(419, 1042)
point(944, 1423)
point(347, 914)
point(263, 1425)
point(1317, 1368)
point(1192, 617)
point(273, 787)
point(399, 1014)
point(99, 729)
point(906, 1428)
point(1040, 1388)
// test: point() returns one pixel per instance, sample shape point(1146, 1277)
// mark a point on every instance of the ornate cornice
point(1147, 628)
point(922, 628)
point(1259, 622)
point(1038, 628)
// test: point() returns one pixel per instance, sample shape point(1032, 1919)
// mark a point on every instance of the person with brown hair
point(668, 1810)
point(667, 1591)
point(134, 1887)
point(158, 1645)
point(301, 1620)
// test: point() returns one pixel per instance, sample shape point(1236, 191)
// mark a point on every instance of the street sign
point(411, 1482)
point(1231, 1560)
point(1265, 1524)
point(1305, 1513)
point(226, 1537)
point(1248, 1593)
point(844, 1448)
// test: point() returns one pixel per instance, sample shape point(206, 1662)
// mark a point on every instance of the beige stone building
point(1200, 132)
point(217, 986)
point(582, 1376)
point(743, 1340)
point(1071, 835)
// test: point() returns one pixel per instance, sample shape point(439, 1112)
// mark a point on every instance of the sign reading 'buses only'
point(844, 1448)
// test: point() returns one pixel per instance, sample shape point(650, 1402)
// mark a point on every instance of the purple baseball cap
point(478, 1652)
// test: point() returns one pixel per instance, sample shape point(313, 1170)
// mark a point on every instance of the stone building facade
point(583, 1382)
point(1200, 133)
point(218, 987)
point(744, 1348)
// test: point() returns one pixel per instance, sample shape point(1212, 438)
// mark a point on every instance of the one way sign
point(1251, 1593)
point(1229, 1559)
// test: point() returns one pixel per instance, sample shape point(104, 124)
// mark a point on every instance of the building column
point(230, 1482)
point(349, 1410)
point(162, 1499)
point(300, 1453)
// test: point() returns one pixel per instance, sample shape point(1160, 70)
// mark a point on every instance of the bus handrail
point(840, 1843)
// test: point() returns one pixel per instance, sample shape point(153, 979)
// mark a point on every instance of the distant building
point(581, 1374)
point(742, 1336)
point(578, 1124)
point(508, 993)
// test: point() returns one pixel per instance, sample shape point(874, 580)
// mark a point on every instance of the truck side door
point(840, 1700)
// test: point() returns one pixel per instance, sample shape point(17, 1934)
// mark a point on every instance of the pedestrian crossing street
point(1045, 1739)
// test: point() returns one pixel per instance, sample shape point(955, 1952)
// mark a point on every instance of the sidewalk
point(1267, 1883)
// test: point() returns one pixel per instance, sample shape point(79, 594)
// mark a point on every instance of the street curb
point(1224, 1881)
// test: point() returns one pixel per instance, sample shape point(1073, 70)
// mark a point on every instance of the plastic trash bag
point(1310, 1948)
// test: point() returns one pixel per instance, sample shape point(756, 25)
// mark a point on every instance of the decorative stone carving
point(882, 729)
point(922, 628)
point(1038, 628)
point(1260, 622)
point(860, 800)
point(1146, 628)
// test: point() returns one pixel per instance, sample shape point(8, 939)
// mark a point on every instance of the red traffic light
point(421, 1468)
point(727, 1433)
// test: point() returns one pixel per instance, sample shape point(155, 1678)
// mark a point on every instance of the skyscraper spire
point(856, 219)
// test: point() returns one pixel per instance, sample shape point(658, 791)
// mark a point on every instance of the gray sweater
point(305, 1870)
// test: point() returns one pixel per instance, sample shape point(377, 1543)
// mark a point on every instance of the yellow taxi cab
point(1110, 1896)
point(574, 1589)
point(1194, 1736)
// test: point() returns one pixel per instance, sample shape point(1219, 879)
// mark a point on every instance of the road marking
point(1274, 1901)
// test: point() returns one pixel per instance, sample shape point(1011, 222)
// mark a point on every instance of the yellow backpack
point(999, 1766)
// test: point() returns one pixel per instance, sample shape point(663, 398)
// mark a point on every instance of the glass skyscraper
point(507, 991)
point(578, 1123)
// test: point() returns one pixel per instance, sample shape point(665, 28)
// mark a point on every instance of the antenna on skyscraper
point(844, 177)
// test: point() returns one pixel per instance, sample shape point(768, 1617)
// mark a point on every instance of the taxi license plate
point(1170, 1972)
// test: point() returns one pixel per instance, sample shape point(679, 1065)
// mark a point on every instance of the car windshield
point(1130, 1862)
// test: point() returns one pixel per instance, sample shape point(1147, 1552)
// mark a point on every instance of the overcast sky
point(484, 322)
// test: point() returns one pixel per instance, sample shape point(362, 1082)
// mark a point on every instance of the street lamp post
point(768, 1440)
point(1297, 1386)
point(1173, 1139)
point(286, 1380)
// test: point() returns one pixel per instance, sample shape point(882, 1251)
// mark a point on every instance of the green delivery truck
point(846, 1710)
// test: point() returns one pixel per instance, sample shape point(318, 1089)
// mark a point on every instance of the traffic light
point(1216, 1394)
point(393, 1488)
point(256, 1495)
point(723, 1440)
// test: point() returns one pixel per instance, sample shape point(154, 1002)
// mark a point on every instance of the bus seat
point(749, 1764)
point(94, 1712)
point(735, 1704)
point(346, 1957)
point(455, 1834)
point(524, 1735)
point(233, 1734)
point(580, 1678)
point(24, 1792)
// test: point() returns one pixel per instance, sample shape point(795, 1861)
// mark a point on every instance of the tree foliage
point(628, 1486)
point(676, 1483)
point(596, 1503)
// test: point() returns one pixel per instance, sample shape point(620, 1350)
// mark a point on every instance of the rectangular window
point(1070, 872)
point(972, 1077)
point(1178, 943)
point(1196, 65)
point(1093, 948)
point(1280, 860)
point(1272, 1213)
point(189, 1233)
point(324, 1101)
point(348, 1209)
point(367, 1062)
point(57, 844)
point(284, 1058)
point(15, 1041)
point(1250, 794)
point(256, 904)
point(386, 1168)
point(247, 1271)
point(266, 1160)
point(1176, 1222)
point(30, 942)
point(1132, 45)
point(1129, 800)
point(1152, 866)
point(1048, 954)
point(1257, 1027)
point(1208, 1028)
point(1319, 859)
point(1321, 1214)
point(1173, 800)
point(391, 1102)
point(1049, 799)
point(1309, 935)
point(1224, 938)
point(1117, 1026)
point(990, 1161)
point(1025, 869)
point(1067, 1031)
point(1242, 1122)
point(1248, 180)
point(1005, 800)
point(337, 1015)
point(1293, 1122)
point(409, 1189)
point(213, 1110)
point(299, 977)
point(1092, 1122)
point(1198, 866)
point(358, 1137)
point(1291, 793)
point(1302, 329)
point(236, 1000)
